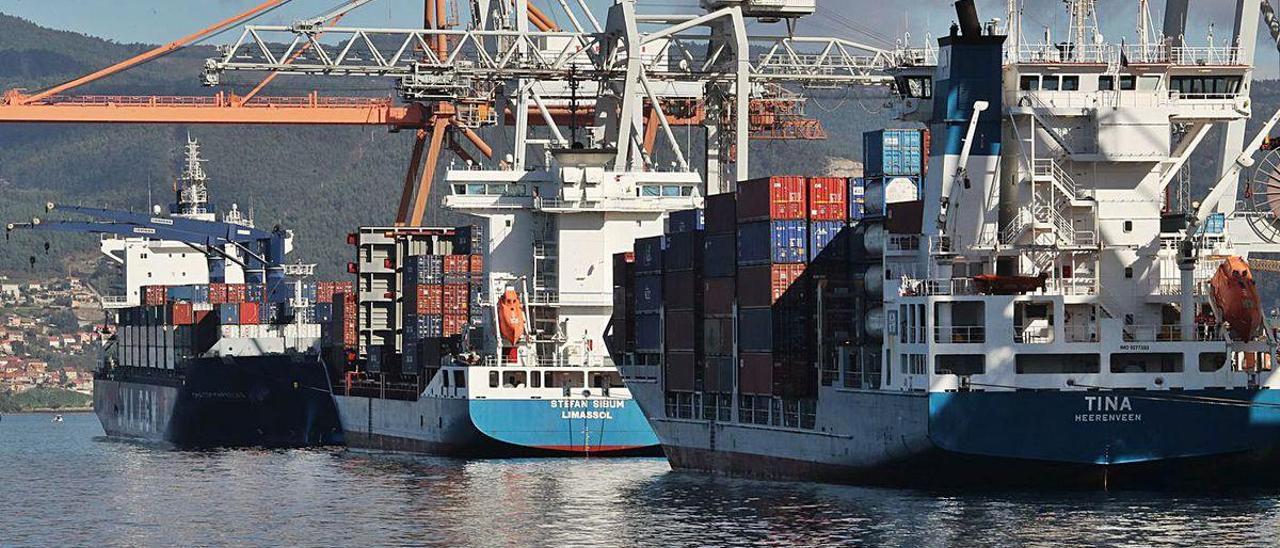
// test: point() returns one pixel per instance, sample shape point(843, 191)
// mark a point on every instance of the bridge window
point(1029, 82)
point(564, 379)
point(535, 379)
point(1106, 83)
point(514, 379)
point(1128, 82)
point(493, 379)
point(606, 379)
point(1070, 83)
point(1050, 83)
point(1206, 87)
point(1212, 361)
point(460, 379)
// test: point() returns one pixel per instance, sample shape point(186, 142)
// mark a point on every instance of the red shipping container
point(755, 374)
point(680, 371)
point(217, 293)
point(236, 293)
point(765, 285)
point(683, 334)
point(718, 295)
point(430, 299)
point(456, 297)
point(477, 264)
point(249, 313)
point(155, 295)
point(182, 313)
point(828, 199)
point(777, 198)
point(457, 264)
point(454, 323)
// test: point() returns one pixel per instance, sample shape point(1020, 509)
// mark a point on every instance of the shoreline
point(51, 410)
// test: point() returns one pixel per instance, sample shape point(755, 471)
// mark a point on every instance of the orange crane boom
point(221, 108)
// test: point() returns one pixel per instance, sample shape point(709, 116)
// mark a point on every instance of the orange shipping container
point(217, 293)
point(477, 264)
point(457, 264)
point(249, 313)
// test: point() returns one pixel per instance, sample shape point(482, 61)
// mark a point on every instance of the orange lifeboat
point(1235, 294)
point(511, 322)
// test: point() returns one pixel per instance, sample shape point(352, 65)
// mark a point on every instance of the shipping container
point(893, 152)
point(457, 264)
point(324, 312)
point(154, 295)
point(623, 268)
point(828, 199)
point(772, 198)
point(182, 313)
point(719, 254)
point(181, 293)
point(718, 335)
point(236, 293)
point(469, 240)
point(456, 298)
point(648, 332)
point(425, 269)
point(648, 254)
point(217, 293)
point(822, 233)
point(454, 324)
point(476, 263)
point(423, 326)
point(755, 374)
point(722, 213)
point(685, 220)
point(755, 329)
point(719, 374)
point(765, 285)
point(857, 199)
point(683, 252)
point(249, 314)
point(764, 242)
point(1215, 223)
point(229, 314)
point(718, 296)
point(682, 331)
point(680, 371)
point(648, 293)
point(681, 290)
point(257, 293)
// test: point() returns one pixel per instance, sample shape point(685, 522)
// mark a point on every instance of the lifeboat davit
point(1235, 294)
point(511, 322)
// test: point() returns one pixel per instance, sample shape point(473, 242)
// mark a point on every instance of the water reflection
point(63, 487)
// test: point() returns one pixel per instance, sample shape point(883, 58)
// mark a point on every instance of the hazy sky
point(158, 21)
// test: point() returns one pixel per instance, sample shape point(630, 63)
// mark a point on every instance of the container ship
point(215, 342)
point(1029, 296)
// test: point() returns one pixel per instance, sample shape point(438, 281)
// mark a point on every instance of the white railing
point(1153, 333)
point(1200, 56)
point(1080, 333)
point(930, 287)
point(1110, 55)
point(1015, 228)
point(1066, 53)
point(1071, 286)
point(959, 334)
point(1032, 335)
point(1047, 167)
point(904, 242)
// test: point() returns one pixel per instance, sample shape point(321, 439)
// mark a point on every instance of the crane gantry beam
point(220, 108)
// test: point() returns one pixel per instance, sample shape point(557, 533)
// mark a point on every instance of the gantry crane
point(450, 80)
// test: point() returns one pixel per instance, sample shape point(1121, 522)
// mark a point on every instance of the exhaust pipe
point(967, 13)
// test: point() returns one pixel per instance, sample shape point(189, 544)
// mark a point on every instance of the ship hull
point(459, 427)
point(265, 401)
point(1195, 438)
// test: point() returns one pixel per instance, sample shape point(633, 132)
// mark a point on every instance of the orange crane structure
point(438, 125)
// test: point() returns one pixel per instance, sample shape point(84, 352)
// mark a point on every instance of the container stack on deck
point(443, 294)
point(752, 309)
point(895, 163)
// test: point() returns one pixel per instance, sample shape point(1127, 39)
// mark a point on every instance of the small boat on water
point(57, 418)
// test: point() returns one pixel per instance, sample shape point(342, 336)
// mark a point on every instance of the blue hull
point(1120, 427)
point(565, 426)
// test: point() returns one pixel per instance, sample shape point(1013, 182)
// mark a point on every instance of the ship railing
point(960, 334)
point(1153, 333)
point(544, 297)
point(1032, 335)
point(1094, 54)
point(1080, 333)
point(1048, 167)
point(1207, 56)
point(115, 301)
point(1071, 286)
point(904, 242)
point(945, 286)
point(1172, 287)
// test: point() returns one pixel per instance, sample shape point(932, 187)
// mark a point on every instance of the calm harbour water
point(63, 484)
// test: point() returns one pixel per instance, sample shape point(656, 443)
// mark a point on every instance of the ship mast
point(1084, 24)
point(192, 187)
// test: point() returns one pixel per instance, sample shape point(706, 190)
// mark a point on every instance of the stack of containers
point(719, 270)
point(682, 301)
point(648, 295)
point(457, 293)
point(773, 305)
point(344, 319)
point(895, 162)
point(622, 332)
point(857, 199)
point(830, 272)
point(423, 309)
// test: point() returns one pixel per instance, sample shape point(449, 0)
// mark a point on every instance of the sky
point(871, 21)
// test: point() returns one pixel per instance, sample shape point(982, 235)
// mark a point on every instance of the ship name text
point(1108, 409)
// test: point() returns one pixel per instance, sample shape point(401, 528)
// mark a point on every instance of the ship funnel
point(967, 12)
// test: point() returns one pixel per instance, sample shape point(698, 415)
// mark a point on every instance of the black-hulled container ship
point(215, 342)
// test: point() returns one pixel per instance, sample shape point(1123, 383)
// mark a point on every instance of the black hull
point(261, 401)
point(943, 469)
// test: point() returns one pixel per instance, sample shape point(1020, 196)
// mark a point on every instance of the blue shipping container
point(1215, 223)
point(649, 293)
point(648, 332)
point(324, 312)
point(778, 242)
point(719, 255)
point(857, 199)
point(822, 233)
point(229, 314)
point(683, 251)
point(893, 152)
point(181, 293)
point(755, 330)
point(685, 220)
point(648, 253)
